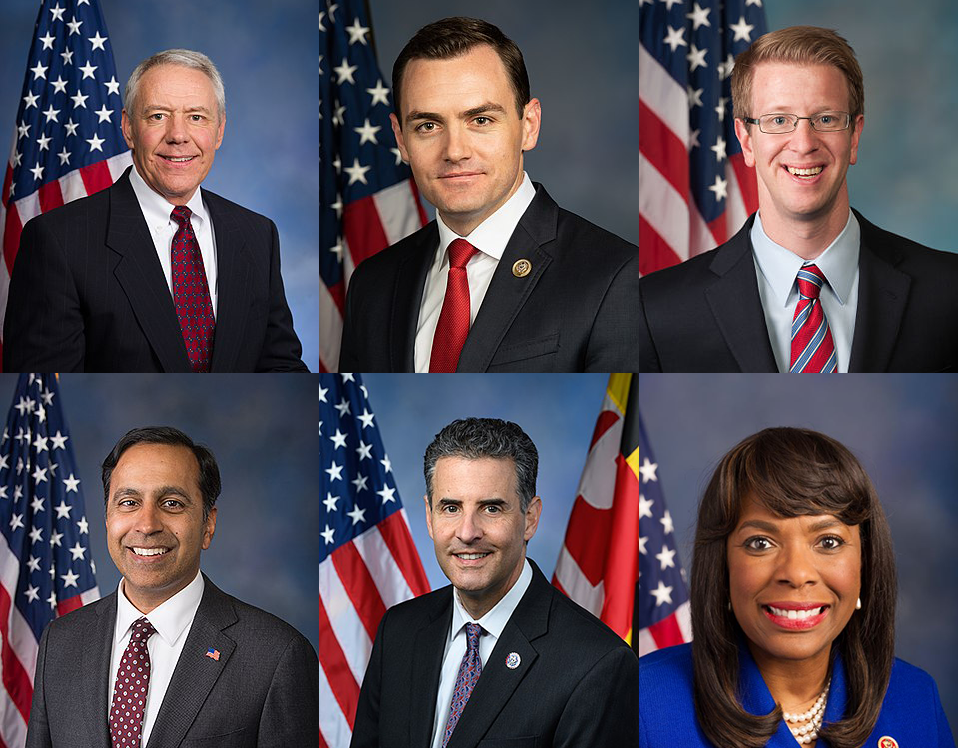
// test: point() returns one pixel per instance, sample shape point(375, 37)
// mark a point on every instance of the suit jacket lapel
point(406, 299)
point(93, 673)
point(140, 275)
point(195, 673)
point(737, 307)
point(233, 270)
point(496, 685)
point(882, 295)
point(429, 647)
point(507, 293)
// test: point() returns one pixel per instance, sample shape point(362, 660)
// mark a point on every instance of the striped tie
point(812, 347)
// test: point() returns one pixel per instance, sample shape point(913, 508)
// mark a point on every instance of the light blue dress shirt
point(776, 269)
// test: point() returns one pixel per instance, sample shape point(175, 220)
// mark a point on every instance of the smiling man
point(504, 279)
point(169, 659)
point(500, 657)
point(154, 274)
point(807, 285)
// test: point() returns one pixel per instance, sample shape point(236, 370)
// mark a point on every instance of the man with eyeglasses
point(807, 284)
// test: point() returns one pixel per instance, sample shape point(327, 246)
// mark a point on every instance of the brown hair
point(452, 37)
point(793, 472)
point(799, 45)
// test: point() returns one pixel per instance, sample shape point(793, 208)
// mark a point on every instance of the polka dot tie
point(191, 292)
point(813, 349)
point(469, 671)
point(453, 325)
point(129, 693)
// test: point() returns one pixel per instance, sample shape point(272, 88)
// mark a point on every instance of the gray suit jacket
point(261, 693)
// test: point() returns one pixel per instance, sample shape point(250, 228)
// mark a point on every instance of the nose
point(176, 130)
point(457, 146)
point(797, 566)
point(148, 519)
point(469, 529)
point(805, 138)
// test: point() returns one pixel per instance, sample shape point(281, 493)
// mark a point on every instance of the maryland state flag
point(598, 565)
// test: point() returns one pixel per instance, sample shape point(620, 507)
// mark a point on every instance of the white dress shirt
point(492, 624)
point(172, 621)
point(156, 211)
point(776, 269)
point(490, 238)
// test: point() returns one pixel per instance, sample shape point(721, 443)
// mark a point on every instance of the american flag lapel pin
point(213, 654)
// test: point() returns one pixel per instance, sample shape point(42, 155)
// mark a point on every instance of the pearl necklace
point(812, 719)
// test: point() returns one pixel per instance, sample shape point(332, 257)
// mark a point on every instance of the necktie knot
point(142, 630)
point(181, 214)
point(473, 631)
point(460, 252)
point(810, 280)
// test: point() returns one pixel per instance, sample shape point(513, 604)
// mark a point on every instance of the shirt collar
point(496, 619)
point(170, 618)
point(491, 236)
point(156, 209)
point(779, 265)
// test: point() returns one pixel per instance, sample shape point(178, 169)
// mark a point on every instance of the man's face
point(803, 90)
point(154, 522)
point(478, 527)
point(462, 135)
point(175, 131)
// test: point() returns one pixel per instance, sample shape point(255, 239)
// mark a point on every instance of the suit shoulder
point(585, 236)
point(589, 633)
point(82, 617)
point(666, 669)
point(416, 608)
point(388, 259)
point(220, 204)
point(910, 680)
point(915, 256)
point(73, 211)
point(688, 274)
point(262, 622)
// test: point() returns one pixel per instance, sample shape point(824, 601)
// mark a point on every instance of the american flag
point(45, 565)
point(695, 191)
point(367, 197)
point(367, 557)
point(67, 140)
point(599, 562)
point(663, 601)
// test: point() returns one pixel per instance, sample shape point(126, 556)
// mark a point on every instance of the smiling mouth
point(178, 159)
point(149, 551)
point(796, 619)
point(812, 171)
point(470, 556)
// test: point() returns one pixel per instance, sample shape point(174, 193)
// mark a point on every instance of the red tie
point(132, 683)
point(453, 326)
point(812, 347)
point(191, 292)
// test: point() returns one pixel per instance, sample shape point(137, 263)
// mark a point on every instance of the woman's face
point(793, 581)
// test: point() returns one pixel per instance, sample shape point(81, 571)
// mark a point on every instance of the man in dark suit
point(219, 672)
point(807, 285)
point(500, 658)
point(504, 279)
point(154, 274)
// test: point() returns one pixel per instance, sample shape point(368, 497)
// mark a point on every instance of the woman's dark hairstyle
point(453, 37)
point(209, 471)
point(793, 472)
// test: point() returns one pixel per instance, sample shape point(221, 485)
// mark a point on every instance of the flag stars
point(83, 527)
point(97, 41)
point(69, 579)
point(37, 504)
point(52, 599)
point(725, 68)
point(44, 142)
point(32, 593)
point(88, 71)
point(366, 418)
point(695, 97)
point(720, 108)
point(357, 32)
point(335, 472)
point(23, 129)
point(345, 72)
point(51, 114)
point(63, 509)
point(666, 558)
point(57, 12)
point(647, 470)
point(387, 494)
point(387, 465)
point(55, 538)
point(719, 149)
point(645, 507)
point(112, 86)
point(67, 57)
point(642, 542)
point(662, 594)
point(696, 58)
point(39, 71)
point(367, 133)
point(360, 483)
point(64, 157)
point(79, 100)
point(330, 502)
point(16, 521)
point(74, 25)
point(96, 143)
point(322, 394)
point(674, 38)
point(379, 93)
point(33, 563)
point(357, 515)
point(40, 475)
point(47, 40)
point(40, 443)
point(342, 407)
point(37, 172)
point(667, 522)
point(364, 451)
point(78, 552)
point(338, 439)
point(328, 534)
point(71, 126)
point(357, 172)
point(699, 16)
point(719, 188)
point(104, 114)
point(742, 30)
point(59, 85)
point(71, 483)
point(30, 100)
point(36, 534)
point(398, 154)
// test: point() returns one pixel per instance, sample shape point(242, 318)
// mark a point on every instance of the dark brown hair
point(452, 37)
point(793, 472)
point(799, 45)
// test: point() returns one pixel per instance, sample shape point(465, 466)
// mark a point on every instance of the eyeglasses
point(780, 123)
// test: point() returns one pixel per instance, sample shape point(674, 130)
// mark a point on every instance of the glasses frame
point(797, 119)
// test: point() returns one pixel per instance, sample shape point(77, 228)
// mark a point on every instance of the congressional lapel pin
point(513, 660)
point(213, 654)
point(887, 742)
point(521, 268)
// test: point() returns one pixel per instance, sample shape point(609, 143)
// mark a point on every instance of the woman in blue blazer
point(793, 597)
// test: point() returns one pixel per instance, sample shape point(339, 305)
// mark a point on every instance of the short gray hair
point(183, 57)
point(474, 438)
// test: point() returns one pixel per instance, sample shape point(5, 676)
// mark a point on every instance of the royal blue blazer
point(911, 712)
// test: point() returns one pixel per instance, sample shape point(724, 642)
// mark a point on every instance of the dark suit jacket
point(575, 311)
point(88, 293)
point(705, 315)
point(262, 692)
point(577, 685)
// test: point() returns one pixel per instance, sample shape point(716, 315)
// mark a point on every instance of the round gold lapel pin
point(887, 742)
point(521, 268)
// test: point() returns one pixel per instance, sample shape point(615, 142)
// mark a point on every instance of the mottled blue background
point(557, 411)
point(262, 429)
point(903, 429)
point(267, 54)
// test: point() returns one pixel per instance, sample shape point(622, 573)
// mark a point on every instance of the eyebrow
point(481, 502)
point(467, 114)
point(769, 527)
point(127, 492)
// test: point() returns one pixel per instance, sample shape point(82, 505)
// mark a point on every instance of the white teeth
point(149, 551)
point(805, 172)
point(471, 556)
point(794, 615)
point(179, 159)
